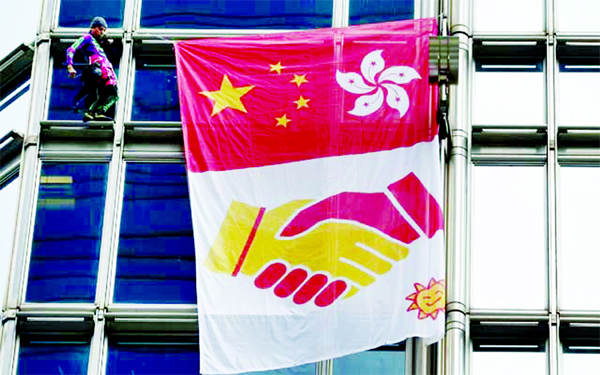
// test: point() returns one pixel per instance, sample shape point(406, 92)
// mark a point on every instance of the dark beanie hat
point(98, 21)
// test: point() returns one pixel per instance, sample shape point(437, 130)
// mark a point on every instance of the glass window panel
point(307, 369)
point(235, 14)
point(578, 98)
point(9, 196)
point(14, 112)
point(67, 233)
point(509, 98)
point(514, 363)
point(155, 96)
point(53, 358)
point(579, 243)
point(373, 11)
point(508, 238)
point(156, 243)
point(63, 90)
point(373, 362)
point(577, 15)
point(502, 16)
point(153, 359)
point(79, 13)
point(578, 362)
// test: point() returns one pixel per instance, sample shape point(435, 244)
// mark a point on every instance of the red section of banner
point(264, 100)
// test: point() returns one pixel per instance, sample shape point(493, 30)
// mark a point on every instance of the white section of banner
point(243, 328)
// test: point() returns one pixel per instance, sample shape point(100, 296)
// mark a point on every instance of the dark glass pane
point(153, 359)
point(373, 11)
point(68, 228)
point(236, 14)
point(156, 262)
point(155, 96)
point(53, 358)
point(79, 13)
point(63, 105)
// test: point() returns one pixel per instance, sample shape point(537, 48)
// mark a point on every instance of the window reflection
point(153, 359)
point(156, 261)
point(307, 369)
point(580, 359)
point(373, 11)
point(78, 13)
point(155, 96)
point(508, 249)
point(67, 233)
point(509, 98)
point(388, 360)
point(578, 96)
point(506, 362)
point(579, 243)
point(52, 358)
point(235, 14)
point(577, 15)
point(501, 16)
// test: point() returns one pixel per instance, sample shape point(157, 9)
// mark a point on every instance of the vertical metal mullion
point(96, 345)
point(341, 13)
point(551, 199)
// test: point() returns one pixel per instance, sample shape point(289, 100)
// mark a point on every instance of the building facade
point(101, 274)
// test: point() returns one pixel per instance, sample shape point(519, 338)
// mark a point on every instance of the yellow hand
point(248, 240)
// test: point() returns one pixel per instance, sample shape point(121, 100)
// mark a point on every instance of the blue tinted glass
point(156, 245)
point(307, 369)
point(236, 14)
point(155, 96)
point(153, 359)
point(63, 91)
point(53, 358)
point(370, 363)
point(68, 228)
point(373, 11)
point(79, 13)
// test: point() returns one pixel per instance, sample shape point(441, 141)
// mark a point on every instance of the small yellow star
point(283, 121)
point(302, 102)
point(227, 97)
point(298, 80)
point(276, 68)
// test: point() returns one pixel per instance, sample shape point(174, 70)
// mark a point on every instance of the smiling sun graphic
point(429, 300)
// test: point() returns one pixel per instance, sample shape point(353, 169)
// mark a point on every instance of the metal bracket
point(443, 59)
point(10, 314)
point(31, 140)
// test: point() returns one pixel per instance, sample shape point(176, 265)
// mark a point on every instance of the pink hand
point(377, 211)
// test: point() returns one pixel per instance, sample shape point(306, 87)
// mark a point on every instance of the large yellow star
point(301, 102)
point(276, 68)
point(298, 80)
point(283, 121)
point(227, 97)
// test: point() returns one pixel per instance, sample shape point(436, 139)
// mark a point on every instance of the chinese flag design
point(268, 100)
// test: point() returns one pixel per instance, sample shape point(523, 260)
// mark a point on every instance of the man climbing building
point(99, 79)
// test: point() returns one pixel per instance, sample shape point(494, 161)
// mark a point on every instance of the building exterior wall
point(522, 166)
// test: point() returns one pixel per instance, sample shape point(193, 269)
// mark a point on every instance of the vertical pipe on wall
point(456, 310)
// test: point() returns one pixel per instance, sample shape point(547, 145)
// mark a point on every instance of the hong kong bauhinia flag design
point(315, 185)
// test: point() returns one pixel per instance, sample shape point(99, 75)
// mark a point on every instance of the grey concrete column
point(457, 219)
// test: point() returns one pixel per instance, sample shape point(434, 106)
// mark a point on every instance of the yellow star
point(298, 80)
point(276, 68)
point(302, 102)
point(227, 97)
point(283, 121)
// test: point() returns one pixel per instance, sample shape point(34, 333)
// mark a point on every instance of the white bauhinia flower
point(390, 79)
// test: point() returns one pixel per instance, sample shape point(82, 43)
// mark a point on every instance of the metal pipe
point(457, 233)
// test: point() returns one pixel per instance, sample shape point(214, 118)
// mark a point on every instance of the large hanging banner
point(315, 185)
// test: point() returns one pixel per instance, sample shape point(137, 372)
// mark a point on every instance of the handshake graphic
point(322, 250)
